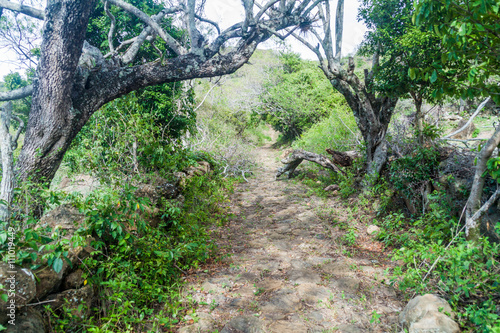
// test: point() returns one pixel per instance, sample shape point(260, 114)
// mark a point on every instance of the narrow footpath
point(287, 271)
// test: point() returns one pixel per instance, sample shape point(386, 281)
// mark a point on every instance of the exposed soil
point(288, 270)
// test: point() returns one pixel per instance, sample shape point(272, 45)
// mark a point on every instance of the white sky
point(229, 12)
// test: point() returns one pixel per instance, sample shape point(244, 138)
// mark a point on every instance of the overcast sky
point(229, 12)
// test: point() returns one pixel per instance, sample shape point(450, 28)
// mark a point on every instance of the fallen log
point(344, 159)
point(297, 156)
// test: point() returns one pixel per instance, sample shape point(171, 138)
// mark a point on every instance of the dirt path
point(287, 271)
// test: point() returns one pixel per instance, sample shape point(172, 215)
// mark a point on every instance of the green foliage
point(130, 291)
point(129, 25)
point(338, 132)
point(493, 168)
point(402, 47)
point(409, 174)
point(437, 225)
point(136, 134)
point(465, 272)
point(298, 96)
point(469, 32)
point(14, 81)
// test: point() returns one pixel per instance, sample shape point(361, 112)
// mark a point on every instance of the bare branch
point(16, 94)
point(171, 42)
point(315, 3)
point(20, 8)
point(310, 46)
point(479, 108)
point(248, 5)
point(202, 19)
point(339, 26)
point(139, 40)
point(194, 35)
point(111, 28)
point(264, 8)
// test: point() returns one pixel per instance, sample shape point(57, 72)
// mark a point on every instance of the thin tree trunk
point(475, 211)
point(8, 144)
point(419, 117)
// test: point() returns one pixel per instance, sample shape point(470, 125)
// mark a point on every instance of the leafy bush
point(337, 132)
point(130, 137)
point(130, 291)
point(465, 273)
point(297, 97)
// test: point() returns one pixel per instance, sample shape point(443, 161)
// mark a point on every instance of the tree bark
point(475, 210)
point(53, 116)
point(8, 145)
point(419, 117)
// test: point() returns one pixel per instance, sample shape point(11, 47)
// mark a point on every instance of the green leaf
point(433, 77)
point(57, 265)
point(412, 73)
point(463, 29)
point(4, 297)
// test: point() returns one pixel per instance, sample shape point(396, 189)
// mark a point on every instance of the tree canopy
point(470, 32)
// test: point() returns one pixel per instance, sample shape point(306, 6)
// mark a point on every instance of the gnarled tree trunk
point(371, 111)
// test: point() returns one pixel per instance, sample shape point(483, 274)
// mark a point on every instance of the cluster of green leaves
point(36, 245)
point(401, 46)
point(136, 134)
point(338, 132)
point(128, 26)
point(466, 273)
point(470, 64)
point(297, 96)
point(127, 248)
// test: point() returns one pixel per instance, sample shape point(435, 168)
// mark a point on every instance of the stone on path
point(428, 313)
point(244, 324)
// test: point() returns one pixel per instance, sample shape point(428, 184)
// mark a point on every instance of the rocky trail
point(288, 271)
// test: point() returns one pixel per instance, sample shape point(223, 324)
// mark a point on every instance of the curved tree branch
point(479, 108)
point(20, 8)
point(16, 94)
point(111, 28)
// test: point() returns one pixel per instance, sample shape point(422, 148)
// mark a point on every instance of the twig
point(42, 302)
point(175, 265)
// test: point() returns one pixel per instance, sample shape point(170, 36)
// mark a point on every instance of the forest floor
point(285, 267)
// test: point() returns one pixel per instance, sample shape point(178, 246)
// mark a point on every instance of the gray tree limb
point(474, 211)
point(112, 27)
point(16, 94)
point(23, 9)
point(297, 156)
point(171, 42)
point(479, 108)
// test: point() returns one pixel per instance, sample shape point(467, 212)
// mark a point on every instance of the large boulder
point(84, 184)
point(65, 217)
point(21, 281)
point(77, 301)
point(428, 313)
point(27, 320)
